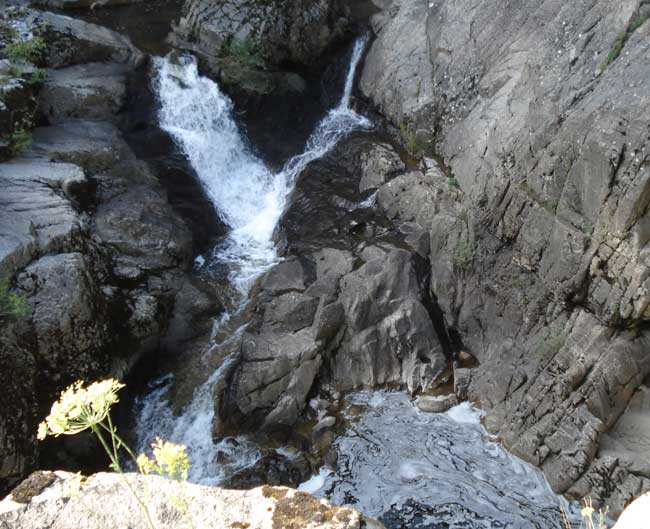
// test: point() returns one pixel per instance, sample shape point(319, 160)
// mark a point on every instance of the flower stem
point(112, 455)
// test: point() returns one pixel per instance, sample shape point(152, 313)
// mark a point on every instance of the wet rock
point(286, 277)
point(462, 379)
point(374, 322)
point(38, 215)
point(323, 436)
point(290, 312)
point(274, 376)
point(83, 4)
point(326, 423)
point(438, 404)
point(88, 237)
point(261, 508)
point(272, 469)
point(389, 335)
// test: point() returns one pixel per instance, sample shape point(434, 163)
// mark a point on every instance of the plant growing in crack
point(622, 39)
point(12, 305)
point(464, 253)
point(246, 53)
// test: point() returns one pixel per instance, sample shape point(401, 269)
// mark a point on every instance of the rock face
point(275, 32)
point(88, 237)
point(538, 244)
point(54, 500)
point(276, 59)
point(345, 310)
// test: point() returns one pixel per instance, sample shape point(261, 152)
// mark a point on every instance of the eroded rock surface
point(102, 500)
point(538, 244)
point(89, 239)
point(349, 308)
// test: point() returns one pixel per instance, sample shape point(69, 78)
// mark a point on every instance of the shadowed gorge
point(390, 254)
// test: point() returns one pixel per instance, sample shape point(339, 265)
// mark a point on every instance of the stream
point(410, 469)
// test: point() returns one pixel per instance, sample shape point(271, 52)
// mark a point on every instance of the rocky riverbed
point(469, 223)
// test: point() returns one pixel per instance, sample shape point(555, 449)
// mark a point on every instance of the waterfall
point(250, 199)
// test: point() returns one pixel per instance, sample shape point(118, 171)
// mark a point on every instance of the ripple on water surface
point(433, 471)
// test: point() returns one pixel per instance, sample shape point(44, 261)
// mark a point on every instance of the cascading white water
point(250, 199)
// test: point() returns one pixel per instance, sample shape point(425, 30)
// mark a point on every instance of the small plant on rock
point(12, 306)
point(246, 53)
point(413, 143)
point(463, 255)
point(19, 141)
point(31, 51)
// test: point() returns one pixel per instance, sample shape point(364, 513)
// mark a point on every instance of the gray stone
point(72, 41)
point(389, 334)
point(278, 31)
point(88, 91)
point(83, 4)
point(378, 165)
point(112, 505)
point(290, 312)
point(540, 243)
point(462, 379)
point(438, 404)
point(275, 375)
point(37, 215)
point(287, 276)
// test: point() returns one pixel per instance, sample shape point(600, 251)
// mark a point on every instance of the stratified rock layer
point(539, 255)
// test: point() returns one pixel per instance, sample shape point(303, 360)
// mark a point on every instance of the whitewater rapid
point(250, 199)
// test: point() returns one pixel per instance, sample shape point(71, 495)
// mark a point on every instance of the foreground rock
point(53, 500)
point(636, 515)
point(539, 245)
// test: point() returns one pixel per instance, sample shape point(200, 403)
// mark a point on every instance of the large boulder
point(346, 309)
point(56, 500)
point(88, 91)
point(256, 33)
point(539, 245)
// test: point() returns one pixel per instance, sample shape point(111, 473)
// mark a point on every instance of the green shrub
point(622, 39)
point(246, 53)
point(12, 306)
point(32, 50)
point(412, 143)
point(463, 255)
point(19, 141)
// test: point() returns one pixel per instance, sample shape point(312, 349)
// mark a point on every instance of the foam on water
point(465, 413)
point(250, 199)
point(432, 471)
